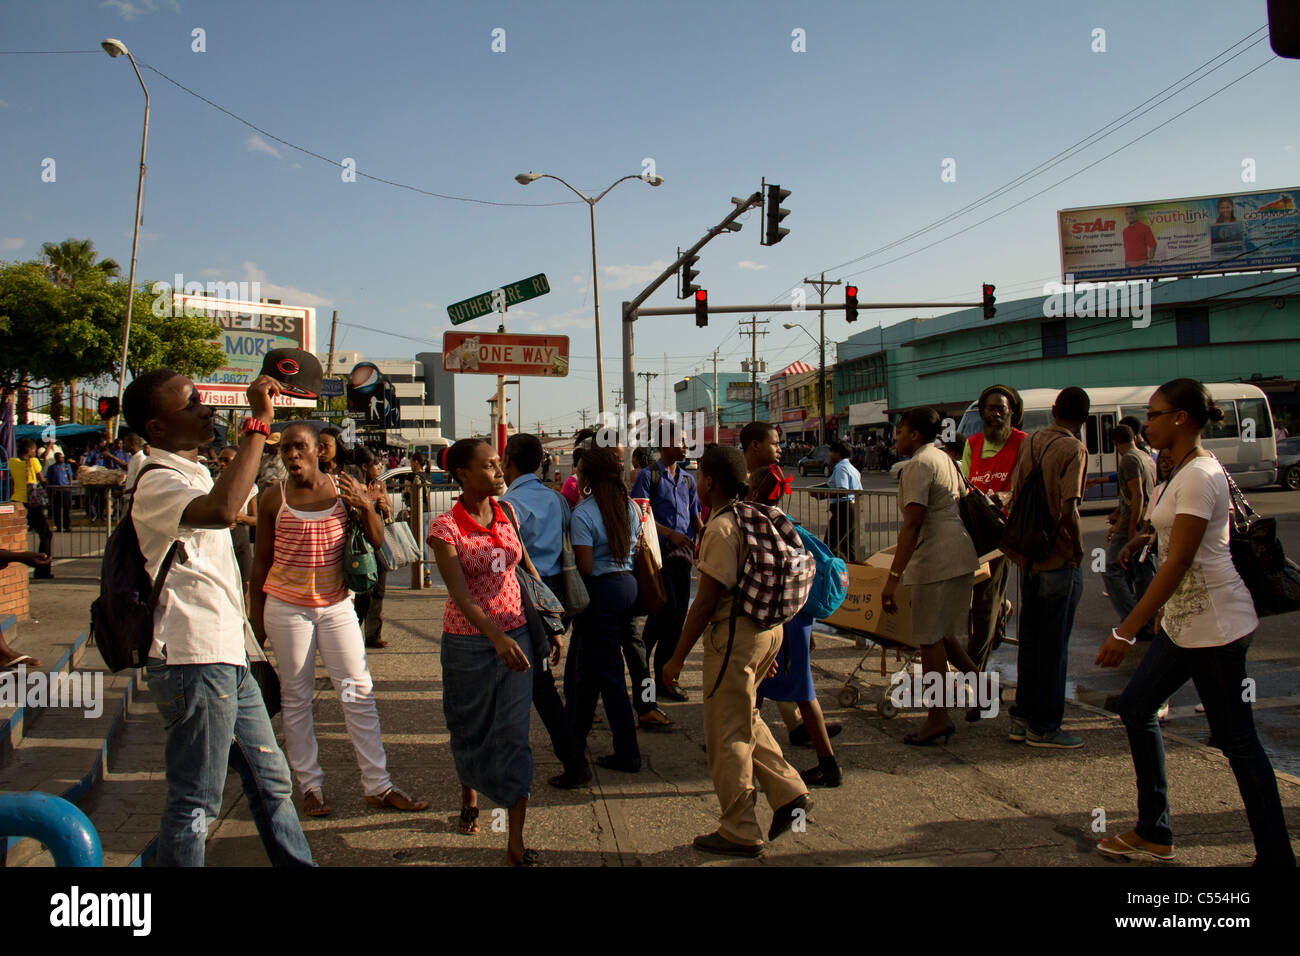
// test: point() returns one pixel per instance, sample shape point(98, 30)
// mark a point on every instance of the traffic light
point(989, 310)
point(850, 303)
point(701, 308)
point(774, 231)
point(688, 276)
point(108, 407)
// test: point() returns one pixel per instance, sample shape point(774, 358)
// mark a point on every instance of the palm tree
point(73, 259)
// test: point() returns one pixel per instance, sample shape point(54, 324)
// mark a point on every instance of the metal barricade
point(424, 503)
point(874, 516)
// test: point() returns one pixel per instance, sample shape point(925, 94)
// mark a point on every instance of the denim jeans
point(1219, 674)
point(214, 718)
point(1126, 586)
point(601, 630)
point(1048, 601)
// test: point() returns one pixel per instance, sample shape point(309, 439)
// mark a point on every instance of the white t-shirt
point(200, 615)
point(1211, 606)
point(133, 469)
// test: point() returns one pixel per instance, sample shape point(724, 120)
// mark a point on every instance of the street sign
point(331, 387)
point(489, 302)
point(503, 354)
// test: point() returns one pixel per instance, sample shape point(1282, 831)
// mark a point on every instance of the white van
point(1243, 441)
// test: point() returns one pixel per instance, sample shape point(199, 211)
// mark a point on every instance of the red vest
point(994, 474)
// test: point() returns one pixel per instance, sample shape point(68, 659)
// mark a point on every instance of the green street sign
point(489, 302)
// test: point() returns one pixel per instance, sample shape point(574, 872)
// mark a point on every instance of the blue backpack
point(832, 581)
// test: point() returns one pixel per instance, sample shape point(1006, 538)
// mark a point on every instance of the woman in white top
point(939, 559)
point(1208, 624)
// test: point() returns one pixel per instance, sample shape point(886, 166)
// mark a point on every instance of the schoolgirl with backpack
point(755, 575)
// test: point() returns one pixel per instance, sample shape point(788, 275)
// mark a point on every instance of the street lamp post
point(116, 48)
point(524, 179)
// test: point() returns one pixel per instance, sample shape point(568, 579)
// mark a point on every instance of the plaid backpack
point(777, 575)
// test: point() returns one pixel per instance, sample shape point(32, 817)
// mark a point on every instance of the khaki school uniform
point(740, 748)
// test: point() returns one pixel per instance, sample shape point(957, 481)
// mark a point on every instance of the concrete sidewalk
point(981, 800)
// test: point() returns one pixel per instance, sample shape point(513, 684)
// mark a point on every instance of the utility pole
point(329, 362)
point(822, 285)
point(584, 412)
point(717, 425)
point(619, 392)
point(753, 333)
point(647, 376)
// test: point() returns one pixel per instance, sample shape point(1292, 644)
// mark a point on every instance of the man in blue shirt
point(842, 533)
point(96, 495)
point(543, 517)
point(59, 477)
point(676, 507)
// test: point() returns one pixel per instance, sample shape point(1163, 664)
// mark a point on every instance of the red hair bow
point(783, 483)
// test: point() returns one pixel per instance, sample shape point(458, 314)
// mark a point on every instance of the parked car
point(819, 460)
point(1288, 463)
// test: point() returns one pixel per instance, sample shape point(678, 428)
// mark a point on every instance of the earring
point(586, 492)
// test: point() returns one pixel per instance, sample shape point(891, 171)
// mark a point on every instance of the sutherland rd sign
point(489, 302)
point(504, 354)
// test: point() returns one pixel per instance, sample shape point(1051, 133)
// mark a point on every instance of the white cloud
point(625, 277)
point(286, 294)
point(256, 144)
point(128, 10)
point(11, 244)
point(750, 264)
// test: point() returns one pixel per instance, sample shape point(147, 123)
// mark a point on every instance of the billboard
point(248, 330)
point(1238, 232)
point(740, 391)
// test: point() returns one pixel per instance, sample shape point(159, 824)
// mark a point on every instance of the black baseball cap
point(299, 372)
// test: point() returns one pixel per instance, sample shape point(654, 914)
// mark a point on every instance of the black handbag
point(1272, 580)
point(983, 517)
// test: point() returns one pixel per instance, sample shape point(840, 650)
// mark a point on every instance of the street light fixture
point(116, 48)
point(524, 179)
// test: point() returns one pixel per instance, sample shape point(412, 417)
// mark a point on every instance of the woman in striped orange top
point(301, 603)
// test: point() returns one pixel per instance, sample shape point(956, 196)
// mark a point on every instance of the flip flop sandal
point(468, 821)
point(22, 660)
point(314, 805)
point(658, 720)
point(1121, 849)
point(394, 799)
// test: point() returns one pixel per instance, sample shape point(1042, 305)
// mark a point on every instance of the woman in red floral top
point(487, 648)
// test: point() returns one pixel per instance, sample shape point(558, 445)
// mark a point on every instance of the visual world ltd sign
point(507, 295)
point(248, 330)
point(1241, 232)
point(505, 354)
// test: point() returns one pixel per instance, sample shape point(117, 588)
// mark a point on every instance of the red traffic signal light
point(989, 309)
point(701, 308)
point(108, 406)
point(850, 303)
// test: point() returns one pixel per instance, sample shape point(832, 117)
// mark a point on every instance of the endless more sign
point(489, 302)
point(504, 354)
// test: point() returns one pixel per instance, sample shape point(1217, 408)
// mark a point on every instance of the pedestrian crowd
point(563, 600)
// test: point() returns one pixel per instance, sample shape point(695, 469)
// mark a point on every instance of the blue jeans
point(1219, 674)
point(214, 718)
point(1126, 587)
point(601, 630)
point(1048, 601)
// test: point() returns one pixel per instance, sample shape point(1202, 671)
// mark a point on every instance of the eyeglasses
point(1151, 416)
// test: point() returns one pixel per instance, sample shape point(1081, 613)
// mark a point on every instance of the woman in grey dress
point(939, 560)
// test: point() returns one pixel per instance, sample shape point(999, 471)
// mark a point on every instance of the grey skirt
point(941, 609)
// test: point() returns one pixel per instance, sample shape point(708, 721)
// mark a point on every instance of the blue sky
point(857, 127)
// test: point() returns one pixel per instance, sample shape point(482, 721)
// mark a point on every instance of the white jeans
point(296, 633)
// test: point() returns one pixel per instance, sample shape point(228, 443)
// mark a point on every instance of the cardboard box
point(862, 611)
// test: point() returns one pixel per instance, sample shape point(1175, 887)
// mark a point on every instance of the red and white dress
point(488, 557)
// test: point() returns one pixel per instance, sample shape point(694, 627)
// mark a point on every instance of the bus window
point(1226, 428)
point(1256, 410)
point(971, 424)
point(1036, 419)
point(1107, 426)
point(1092, 435)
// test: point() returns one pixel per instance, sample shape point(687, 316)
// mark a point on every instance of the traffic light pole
point(828, 307)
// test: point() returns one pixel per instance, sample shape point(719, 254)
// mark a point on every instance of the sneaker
point(1017, 731)
point(1130, 846)
point(717, 843)
point(1056, 740)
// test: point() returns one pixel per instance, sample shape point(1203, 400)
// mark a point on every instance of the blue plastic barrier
point(61, 826)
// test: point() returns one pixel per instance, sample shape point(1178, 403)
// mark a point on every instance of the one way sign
point(494, 353)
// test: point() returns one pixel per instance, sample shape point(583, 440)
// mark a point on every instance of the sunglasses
point(1152, 416)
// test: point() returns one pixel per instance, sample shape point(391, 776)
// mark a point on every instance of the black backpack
point(121, 618)
point(1031, 530)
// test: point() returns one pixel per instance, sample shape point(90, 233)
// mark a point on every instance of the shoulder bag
point(647, 566)
point(984, 519)
point(1272, 580)
point(533, 590)
point(575, 594)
